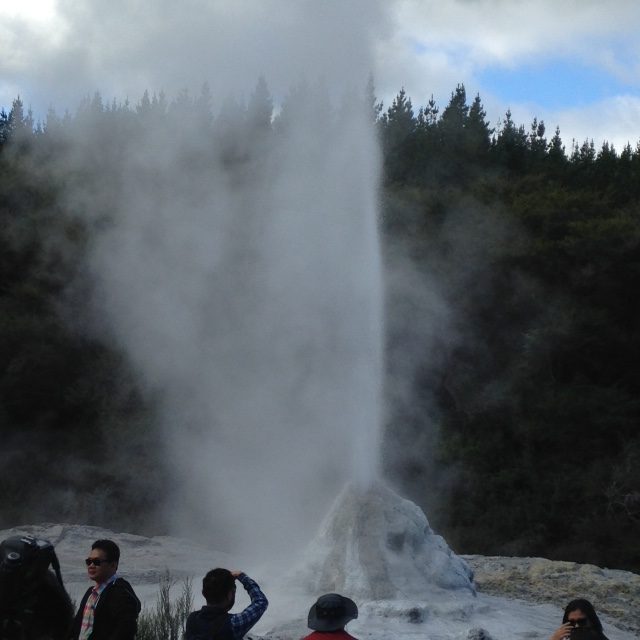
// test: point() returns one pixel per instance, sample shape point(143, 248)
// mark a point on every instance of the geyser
point(241, 272)
point(374, 545)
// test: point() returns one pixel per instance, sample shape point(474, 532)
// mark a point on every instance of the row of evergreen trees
point(458, 145)
point(519, 433)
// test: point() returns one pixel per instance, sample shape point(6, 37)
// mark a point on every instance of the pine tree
point(556, 156)
point(260, 108)
point(398, 142)
point(143, 108)
point(477, 132)
point(374, 107)
point(511, 145)
point(19, 124)
point(537, 142)
point(431, 113)
point(454, 116)
point(398, 122)
point(4, 126)
point(229, 132)
point(606, 166)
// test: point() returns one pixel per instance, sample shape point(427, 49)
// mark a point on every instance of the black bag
point(33, 601)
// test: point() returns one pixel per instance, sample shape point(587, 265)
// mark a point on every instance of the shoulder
point(121, 591)
point(123, 586)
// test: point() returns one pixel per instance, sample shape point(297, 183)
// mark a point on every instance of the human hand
point(562, 632)
point(235, 574)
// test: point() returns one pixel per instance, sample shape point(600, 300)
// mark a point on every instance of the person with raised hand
point(214, 620)
point(579, 622)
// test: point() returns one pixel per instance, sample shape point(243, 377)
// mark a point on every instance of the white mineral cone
point(375, 545)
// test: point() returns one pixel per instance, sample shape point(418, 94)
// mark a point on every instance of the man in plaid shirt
point(214, 621)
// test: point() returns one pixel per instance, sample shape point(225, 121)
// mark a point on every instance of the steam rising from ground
point(242, 275)
point(235, 262)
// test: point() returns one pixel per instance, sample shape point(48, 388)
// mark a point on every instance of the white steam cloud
point(242, 276)
point(121, 48)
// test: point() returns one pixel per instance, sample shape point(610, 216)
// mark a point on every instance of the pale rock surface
point(380, 550)
point(615, 593)
point(143, 560)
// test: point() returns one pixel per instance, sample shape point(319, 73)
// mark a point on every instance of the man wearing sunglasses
point(110, 609)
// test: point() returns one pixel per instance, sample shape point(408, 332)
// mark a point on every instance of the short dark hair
point(587, 608)
point(217, 584)
point(110, 548)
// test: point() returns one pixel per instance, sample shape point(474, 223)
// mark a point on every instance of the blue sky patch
point(556, 84)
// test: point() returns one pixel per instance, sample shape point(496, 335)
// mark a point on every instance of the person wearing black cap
point(329, 615)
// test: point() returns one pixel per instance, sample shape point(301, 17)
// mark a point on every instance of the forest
point(512, 338)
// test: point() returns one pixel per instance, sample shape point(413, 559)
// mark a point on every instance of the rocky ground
point(614, 593)
point(518, 598)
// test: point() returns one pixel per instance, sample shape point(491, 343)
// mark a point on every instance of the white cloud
point(509, 31)
point(616, 120)
point(122, 48)
point(435, 45)
point(30, 10)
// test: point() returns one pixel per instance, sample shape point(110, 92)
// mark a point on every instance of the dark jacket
point(213, 622)
point(116, 614)
point(341, 634)
point(210, 623)
point(329, 635)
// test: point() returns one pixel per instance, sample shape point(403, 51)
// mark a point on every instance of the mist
point(234, 254)
point(122, 48)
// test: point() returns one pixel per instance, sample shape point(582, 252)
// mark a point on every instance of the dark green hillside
point(533, 390)
point(513, 268)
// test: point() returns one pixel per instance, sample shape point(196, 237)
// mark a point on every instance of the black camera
point(583, 633)
point(24, 561)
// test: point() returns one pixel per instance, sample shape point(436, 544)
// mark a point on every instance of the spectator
point(109, 610)
point(580, 622)
point(214, 619)
point(328, 617)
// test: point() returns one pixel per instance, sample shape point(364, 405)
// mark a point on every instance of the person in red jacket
point(328, 617)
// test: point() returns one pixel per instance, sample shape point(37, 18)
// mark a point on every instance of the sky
point(574, 64)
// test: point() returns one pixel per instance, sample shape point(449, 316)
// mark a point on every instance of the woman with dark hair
point(580, 622)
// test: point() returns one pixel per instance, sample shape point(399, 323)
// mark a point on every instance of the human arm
point(242, 622)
